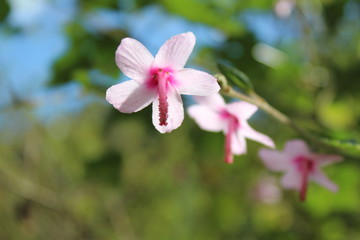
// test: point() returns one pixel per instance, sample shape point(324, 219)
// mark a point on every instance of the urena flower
point(159, 80)
point(300, 165)
point(213, 114)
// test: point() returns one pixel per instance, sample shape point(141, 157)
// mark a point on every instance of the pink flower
point(300, 165)
point(159, 80)
point(213, 114)
point(283, 8)
point(267, 191)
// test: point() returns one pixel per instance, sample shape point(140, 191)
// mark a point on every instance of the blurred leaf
point(201, 11)
point(4, 10)
point(91, 4)
point(236, 77)
point(79, 56)
point(259, 4)
point(88, 51)
point(339, 114)
point(82, 76)
point(333, 12)
point(351, 147)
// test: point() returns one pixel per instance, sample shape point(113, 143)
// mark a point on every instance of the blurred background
point(73, 167)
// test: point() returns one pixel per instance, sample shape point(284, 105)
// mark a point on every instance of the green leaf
point(351, 147)
point(236, 77)
point(4, 10)
point(202, 11)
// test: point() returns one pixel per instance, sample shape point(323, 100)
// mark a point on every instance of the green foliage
point(95, 4)
point(88, 51)
point(201, 11)
point(4, 10)
point(236, 77)
point(346, 147)
point(100, 174)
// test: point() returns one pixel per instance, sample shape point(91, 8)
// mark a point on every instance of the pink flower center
point(161, 78)
point(233, 125)
point(305, 166)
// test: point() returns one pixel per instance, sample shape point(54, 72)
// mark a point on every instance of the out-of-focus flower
point(267, 191)
point(283, 8)
point(159, 80)
point(300, 165)
point(213, 114)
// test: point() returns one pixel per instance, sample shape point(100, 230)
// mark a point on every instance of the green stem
point(255, 99)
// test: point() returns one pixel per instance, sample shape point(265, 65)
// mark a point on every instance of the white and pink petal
point(206, 118)
point(129, 96)
point(215, 102)
point(238, 144)
point(175, 52)
point(133, 59)
point(175, 114)
point(194, 82)
point(295, 148)
point(242, 110)
point(319, 177)
point(250, 133)
point(291, 180)
point(274, 160)
point(324, 159)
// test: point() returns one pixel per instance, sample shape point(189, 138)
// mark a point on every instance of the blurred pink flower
point(159, 80)
point(267, 191)
point(284, 8)
point(300, 165)
point(213, 114)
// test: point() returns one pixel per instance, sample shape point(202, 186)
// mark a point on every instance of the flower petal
point(321, 179)
point(133, 59)
point(238, 144)
point(291, 180)
point(206, 118)
point(296, 147)
point(194, 82)
point(324, 160)
point(242, 110)
point(129, 96)
point(214, 102)
point(175, 112)
point(250, 133)
point(274, 160)
point(175, 51)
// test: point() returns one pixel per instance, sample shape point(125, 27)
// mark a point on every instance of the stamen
point(304, 183)
point(228, 140)
point(305, 166)
point(163, 104)
point(161, 79)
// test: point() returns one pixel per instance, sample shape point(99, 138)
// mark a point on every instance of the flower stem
point(255, 99)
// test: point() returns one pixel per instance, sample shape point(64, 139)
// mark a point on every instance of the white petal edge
point(175, 52)
point(238, 144)
point(129, 96)
point(194, 82)
point(133, 59)
point(175, 112)
point(206, 118)
point(250, 133)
